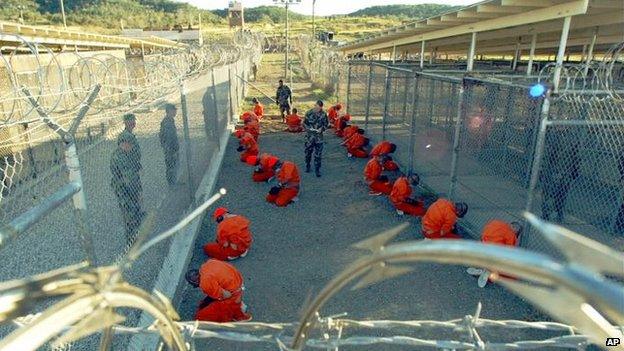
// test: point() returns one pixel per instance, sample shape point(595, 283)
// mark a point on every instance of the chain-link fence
point(134, 135)
point(475, 138)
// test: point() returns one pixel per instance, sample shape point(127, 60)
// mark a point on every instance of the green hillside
point(403, 11)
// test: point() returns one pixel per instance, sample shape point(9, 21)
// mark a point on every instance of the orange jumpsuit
point(332, 114)
point(372, 173)
point(400, 195)
point(252, 127)
point(289, 178)
point(248, 115)
point(499, 232)
point(214, 277)
point(250, 146)
point(349, 131)
point(259, 110)
point(337, 125)
point(439, 220)
point(355, 145)
point(233, 239)
point(293, 122)
point(264, 172)
point(384, 149)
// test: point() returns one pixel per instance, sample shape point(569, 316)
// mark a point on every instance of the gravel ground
point(298, 249)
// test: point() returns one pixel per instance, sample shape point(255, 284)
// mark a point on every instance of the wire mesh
point(490, 126)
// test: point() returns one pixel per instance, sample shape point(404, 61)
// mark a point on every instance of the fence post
point(412, 146)
point(216, 110)
point(404, 112)
point(537, 160)
point(368, 93)
point(230, 97)
point(73, 165)
point(348, 86)
point(456, 138)
point(187, 139)
point(431, 95)
point(386, 102)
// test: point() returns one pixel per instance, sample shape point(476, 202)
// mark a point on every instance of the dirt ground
point(298, 249)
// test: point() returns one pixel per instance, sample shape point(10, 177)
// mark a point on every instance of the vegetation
point(413, 12)
point(108, 15)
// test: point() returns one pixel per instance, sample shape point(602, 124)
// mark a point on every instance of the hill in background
point(413, 12)
point(108, 15)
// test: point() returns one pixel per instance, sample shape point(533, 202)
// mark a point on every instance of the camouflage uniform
point(126, 184)
point(283, 97)
point(169, 142)
point(314, 138)
point(135, 153)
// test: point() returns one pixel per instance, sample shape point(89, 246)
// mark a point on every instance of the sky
point(325, 7)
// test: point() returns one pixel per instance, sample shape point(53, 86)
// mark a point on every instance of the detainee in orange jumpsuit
point(288, 188)
point(349, 131)
point(384, 149)
point(233, 237)
point(248, 115)
point(499, 233)
point(223, 285)
point(247, 146)
point(293, 121)
point(252, 126)
point(400, 196)
point(378, 183)
point(440, 219)
point(356, 145)
point(258, 108)
point(265, 167)
point(332, 113)
point(341, 123)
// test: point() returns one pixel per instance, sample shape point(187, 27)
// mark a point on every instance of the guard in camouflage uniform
point(315, 123)
point(283, 98)
point(169, 141)
point(130, 123)
point(126, 184)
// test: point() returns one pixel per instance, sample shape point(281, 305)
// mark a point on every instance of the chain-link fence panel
point(376, 102)
point(397, 124)
point(357, 91)
point(581, 168)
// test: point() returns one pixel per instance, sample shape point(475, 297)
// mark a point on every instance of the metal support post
point(412, 140)
point(422, 54)
point(348, 87)
point(456, 139)
point(187, 140)
point(368, 94)
point(531, 54)
point(516, 58)
point(386, 102)
point(537, 157)
point(471, 52)
point(562, 48)
point(590, 52)
point(215, 131)
point(230, 96)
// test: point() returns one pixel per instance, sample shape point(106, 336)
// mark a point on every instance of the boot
point(318, 172)
point(307, 168)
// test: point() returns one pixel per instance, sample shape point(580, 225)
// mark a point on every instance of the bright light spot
point(537, 90)
point(428, 146)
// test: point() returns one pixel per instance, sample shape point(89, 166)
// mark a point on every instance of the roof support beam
point(531, 54)
point(422, 54)
point(590, 52)
point(471, 52)
point(570, 8)
point(562, 48)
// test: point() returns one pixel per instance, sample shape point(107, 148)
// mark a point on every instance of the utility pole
point(63, 13)
point(286, 4)
point(313, 21)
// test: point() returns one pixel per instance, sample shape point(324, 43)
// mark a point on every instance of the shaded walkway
point(299, 248)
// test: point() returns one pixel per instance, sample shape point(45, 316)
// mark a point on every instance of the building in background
point(235, 14)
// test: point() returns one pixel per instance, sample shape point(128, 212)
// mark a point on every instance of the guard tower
point(235, 14)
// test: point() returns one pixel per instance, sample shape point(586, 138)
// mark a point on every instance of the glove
point(240, 148)
point(274, 190)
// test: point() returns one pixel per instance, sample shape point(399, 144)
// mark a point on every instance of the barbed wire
point(591, 79)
